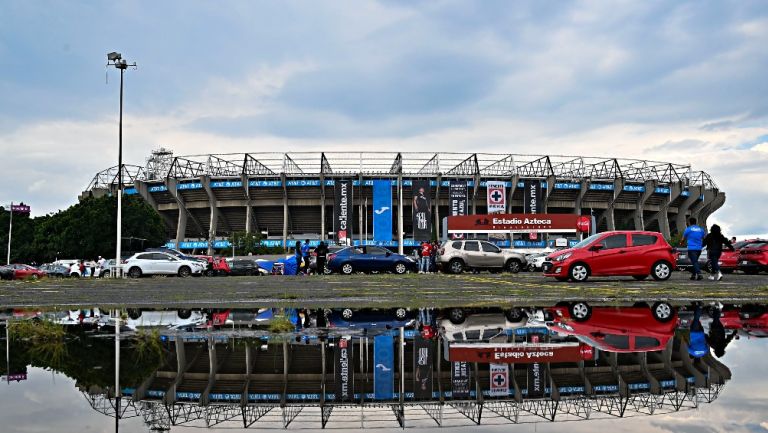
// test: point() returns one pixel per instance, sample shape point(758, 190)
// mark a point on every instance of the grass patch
point(280, 325)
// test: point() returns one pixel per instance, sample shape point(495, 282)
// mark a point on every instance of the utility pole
point(10, 229)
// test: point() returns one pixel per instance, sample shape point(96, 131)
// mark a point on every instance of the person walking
point(322, 252)
point(694, 236)
point(297, 256)
point(93, 268)
point(716, 338)
point(697, 343)
point(426, 253)
point(433, 257)
point(81, 267)
point(102, 264)
point(714, 241)
point(305, 255)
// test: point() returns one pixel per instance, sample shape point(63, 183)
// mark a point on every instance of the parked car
point(246, 267)
point(616, 329)
point(729, 260)
point(369, 259)
point(753, 257)
point(615, 253)
point(536, 261)
point(6, 273)
point(174, 252)
point(459, 324)
point(751, 319)
point(23, 272)
point(457, 256)
point(215, 266)
point(161, 264)
point(370, 318)
point(684, 262)
point(54, 270)
point(332, 249)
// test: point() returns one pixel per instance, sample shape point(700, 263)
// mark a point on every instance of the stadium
point(291, 196)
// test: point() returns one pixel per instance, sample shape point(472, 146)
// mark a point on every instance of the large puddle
point(650, 365)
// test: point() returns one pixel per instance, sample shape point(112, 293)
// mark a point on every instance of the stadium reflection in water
point(398, 368)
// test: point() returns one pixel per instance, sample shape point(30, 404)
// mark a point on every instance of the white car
point(536, 261)
point(158, 263)
point(460, 325)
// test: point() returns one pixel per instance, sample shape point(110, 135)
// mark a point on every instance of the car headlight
point(562, 257)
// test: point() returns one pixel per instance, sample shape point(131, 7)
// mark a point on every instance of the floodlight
point(114, 56)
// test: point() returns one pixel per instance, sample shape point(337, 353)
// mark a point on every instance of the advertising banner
point(499, 380)
point(20, 209)
point(343, 370)
point(342, 212)
point(510, 353)
point(461, 379)
point(533, 200)
point(382, 210)
point(513, 223)
point(457, 190)
point(537, 380)
point(497, 196)
point(383, 367)
point(422, 214)
point(423, 358)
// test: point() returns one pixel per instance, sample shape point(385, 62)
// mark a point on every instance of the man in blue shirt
point(694, 237)
point(305, 255)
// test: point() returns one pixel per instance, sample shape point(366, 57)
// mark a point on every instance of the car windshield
point(587, 241)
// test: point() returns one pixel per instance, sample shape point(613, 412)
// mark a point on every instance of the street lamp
point(116, 59)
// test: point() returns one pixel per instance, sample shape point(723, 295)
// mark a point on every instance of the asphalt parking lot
point(384, 290)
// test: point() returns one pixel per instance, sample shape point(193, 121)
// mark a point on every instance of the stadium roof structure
point(414, 164)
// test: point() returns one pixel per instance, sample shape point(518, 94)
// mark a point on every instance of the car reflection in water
point(347, 368)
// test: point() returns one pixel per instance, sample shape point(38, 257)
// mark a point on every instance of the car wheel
point(515, 315)
point(580, 311)
point(579, 272)
point(184, 314)
point(661, 271)
point(184, 271)
point(662, 311)
point(457, 316)
point(347, 269)
point(209, 273)
point(639, 277)
point(34, 276)
point(531, 267)
point(400, 313)
point(456, 266)
point(104, 274)
point(248, 273)
point(134, 313)
point(134, 272)
point(400, 268)
point(513, 266)
point(327, 271)
point(346, 313)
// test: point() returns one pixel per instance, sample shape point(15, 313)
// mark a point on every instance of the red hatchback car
point(618, 253)
point(616, 329)
point(753, 257)
point(23, 272)
point(729, 260)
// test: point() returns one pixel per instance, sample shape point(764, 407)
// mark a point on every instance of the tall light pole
point(116, 59)
point(10, 229)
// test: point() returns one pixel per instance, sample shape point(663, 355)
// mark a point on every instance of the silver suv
point(457, 256)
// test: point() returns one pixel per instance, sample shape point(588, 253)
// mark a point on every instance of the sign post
point(10, 230)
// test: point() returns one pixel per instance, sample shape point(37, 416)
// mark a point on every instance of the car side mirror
point(596, 247)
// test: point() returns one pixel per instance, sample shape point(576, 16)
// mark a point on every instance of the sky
point(680, 81)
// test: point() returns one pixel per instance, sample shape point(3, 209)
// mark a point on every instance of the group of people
point(696, 240)
point(88, 269)
point(302, 254)
point(428, 257)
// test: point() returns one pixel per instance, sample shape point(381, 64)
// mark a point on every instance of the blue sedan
point(370, 259)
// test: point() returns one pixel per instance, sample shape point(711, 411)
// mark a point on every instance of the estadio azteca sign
point(520, 353)
point(515, 223)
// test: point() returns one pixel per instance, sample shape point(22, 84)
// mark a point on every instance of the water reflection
point(353, 368)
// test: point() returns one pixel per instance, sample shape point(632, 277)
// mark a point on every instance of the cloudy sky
point(674, 81)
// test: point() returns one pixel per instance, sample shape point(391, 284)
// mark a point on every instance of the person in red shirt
point(426, 253)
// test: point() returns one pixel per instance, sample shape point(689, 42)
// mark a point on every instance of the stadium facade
point(291, 196)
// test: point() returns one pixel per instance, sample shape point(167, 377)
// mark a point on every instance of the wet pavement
point(436, 290)
point(648, 365)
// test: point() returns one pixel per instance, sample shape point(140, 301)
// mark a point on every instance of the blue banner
point(382, 210)
point(383, 367)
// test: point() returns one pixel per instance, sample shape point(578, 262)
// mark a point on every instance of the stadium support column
point(181, 227)
point(650, 187)
point(248, 205)
point(214, 220)
point(360, 208)
point(693, 196)
point(716, 203)
point(513, 180)
point(474, 194)
point(322, 207)
point(662, 216)
point(698, 208)
point(285, 212)
point(580, 198)
point(400, 217)
point(550, 186)
point(437, 205)
point(618, 187)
